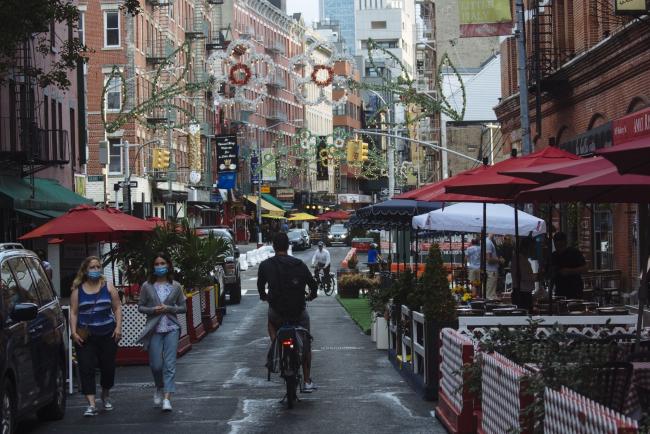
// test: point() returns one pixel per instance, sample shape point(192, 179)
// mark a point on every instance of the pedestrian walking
point(161, 299)
point(96, 328)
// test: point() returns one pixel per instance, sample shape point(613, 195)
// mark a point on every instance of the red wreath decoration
point(240, 81)
point(322, 83)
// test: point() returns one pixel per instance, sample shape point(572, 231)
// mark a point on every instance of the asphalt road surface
point(222, 384)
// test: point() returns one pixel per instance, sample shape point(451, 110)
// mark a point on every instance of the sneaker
point(166, 405)
point(107, 405)
point(157, 398)
point(91, 411)
point(309, 387)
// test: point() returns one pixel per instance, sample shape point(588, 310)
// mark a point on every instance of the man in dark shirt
point(568, 264)
point(287, 278)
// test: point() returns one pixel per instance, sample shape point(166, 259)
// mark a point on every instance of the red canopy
point(487, 181)
point(631, 157)
point(88, 223)
point(555, 172)
point(603, 186)
point(334, 215)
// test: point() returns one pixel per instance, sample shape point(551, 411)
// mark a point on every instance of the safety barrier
point(209, 308)
point(195, 327)
point(243, 261)
point(567, 412)
point(503, 399)
point(455, 403)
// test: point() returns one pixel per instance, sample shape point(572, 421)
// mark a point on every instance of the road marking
point(340, 348)
point(253, 278)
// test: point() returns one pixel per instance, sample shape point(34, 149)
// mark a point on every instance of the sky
point(308, 8)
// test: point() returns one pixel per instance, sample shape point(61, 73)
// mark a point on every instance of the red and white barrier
point(455, 403)
point(195, 328)
point(567, 412)
point(209, 309)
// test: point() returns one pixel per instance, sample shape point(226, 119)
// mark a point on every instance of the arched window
point(596, 120)
point(638, 103)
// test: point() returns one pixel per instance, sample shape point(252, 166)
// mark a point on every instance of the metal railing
point(33, 144)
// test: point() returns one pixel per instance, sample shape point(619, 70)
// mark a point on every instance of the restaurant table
point(640, 379)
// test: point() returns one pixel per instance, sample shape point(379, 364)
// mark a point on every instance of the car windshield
point(294, 235)
point(338, 229)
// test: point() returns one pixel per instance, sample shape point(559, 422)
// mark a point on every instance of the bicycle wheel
point(291, 390)
point(329, 289)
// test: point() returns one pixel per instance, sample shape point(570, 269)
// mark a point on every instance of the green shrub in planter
point(351, 284)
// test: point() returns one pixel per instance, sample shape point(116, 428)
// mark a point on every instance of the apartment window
point(603, 237)
point(73, 138)
point(114, 156)
point(111, 29)
point(82, 24)
point(378, 24)
point(52, 35)
point(114, 94)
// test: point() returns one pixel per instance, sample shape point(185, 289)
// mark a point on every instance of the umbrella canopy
point(548, 173)
point(603, 186)
point(488, 181)
point(435, 192)
point(631, 157)
point(302, 216)
point(468, 217)
point(334, 215)
point(391, 214)
point(87, 222)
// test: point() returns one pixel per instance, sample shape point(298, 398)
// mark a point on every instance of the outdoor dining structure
point(557, 365)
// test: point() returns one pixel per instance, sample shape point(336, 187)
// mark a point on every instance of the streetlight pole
point(171, 167)
point(389, 148)
point(127, 169)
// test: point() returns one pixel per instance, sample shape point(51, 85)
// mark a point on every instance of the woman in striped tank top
point(96, 326)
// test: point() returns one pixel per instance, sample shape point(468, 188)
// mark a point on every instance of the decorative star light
point(243, 70)
point(322, 75)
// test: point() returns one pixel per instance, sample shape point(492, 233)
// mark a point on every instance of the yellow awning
point(302, 216)
point(271, 216)
point(272, 209)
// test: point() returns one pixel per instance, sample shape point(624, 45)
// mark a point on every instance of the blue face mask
point(160, 271)
point(94, 275)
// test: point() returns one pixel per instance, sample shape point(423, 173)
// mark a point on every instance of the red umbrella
point(88, 223)
point(487, 181)
point(334, 215)
point(603, 186)
point(631, 157)
point(555, 172)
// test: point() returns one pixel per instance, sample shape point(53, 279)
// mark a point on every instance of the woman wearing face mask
point(161, 298)
point(96, 328)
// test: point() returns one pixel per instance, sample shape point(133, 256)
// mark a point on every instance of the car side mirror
point(24, 312)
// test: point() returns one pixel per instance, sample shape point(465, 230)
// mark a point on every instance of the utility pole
point(520, 34)
point(126, 189)
point(172, 165)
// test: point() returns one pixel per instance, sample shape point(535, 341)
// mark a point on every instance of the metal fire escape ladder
point(543, 60)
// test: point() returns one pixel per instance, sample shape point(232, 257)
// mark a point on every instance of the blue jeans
point(162, 359)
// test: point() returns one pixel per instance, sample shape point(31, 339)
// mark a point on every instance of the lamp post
point(389, 150)
point(127, 169)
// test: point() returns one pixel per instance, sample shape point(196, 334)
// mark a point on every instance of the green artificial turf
point(359, 310)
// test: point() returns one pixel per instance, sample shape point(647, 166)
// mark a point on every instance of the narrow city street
point(222, 385)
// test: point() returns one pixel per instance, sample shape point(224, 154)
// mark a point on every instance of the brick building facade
point(594, 68)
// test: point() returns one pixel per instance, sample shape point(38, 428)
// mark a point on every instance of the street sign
point(265, 189)
point(130, 184)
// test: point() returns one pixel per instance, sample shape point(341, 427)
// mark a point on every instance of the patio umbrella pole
point(484, 253)
point(463, 266)
point(549, 257)
point(517, 284)
point(451, 258)
point(643, 288)
point(417, 248)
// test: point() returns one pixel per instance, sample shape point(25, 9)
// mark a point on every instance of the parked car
point(32, 349)
point(231, 268)
point(338, 234)
point(305, 236)
point(297, 241)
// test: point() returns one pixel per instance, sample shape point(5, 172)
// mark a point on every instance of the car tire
point(235, 293)
point(55, 410)
point(7, 407)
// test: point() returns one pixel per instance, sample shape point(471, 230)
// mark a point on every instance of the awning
point(272, 209)
point(271, 216)
point(273, 200)
point(50, 198)
point(302, 216)
point(34, 214)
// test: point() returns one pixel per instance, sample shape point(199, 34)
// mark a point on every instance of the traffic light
point(160, 158)
point(363, 151)
point(353, 150)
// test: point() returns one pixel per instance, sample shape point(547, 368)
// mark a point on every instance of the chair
point(639, 356)
point(611, 385)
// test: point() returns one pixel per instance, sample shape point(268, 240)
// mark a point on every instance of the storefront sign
point(587, 143)
point(269, 170)
point(265, 189)
point(632, 7)
point(354, 198)
point(485, 18)
point(285, 194)
point(227, 180)
point(255, 164)
point(227, 153)
point(632, 127)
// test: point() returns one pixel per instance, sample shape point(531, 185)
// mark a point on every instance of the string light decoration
point(165, 91)
point(243, 71)
point(322, 77)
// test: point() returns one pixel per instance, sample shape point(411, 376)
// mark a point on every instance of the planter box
point(348, 293)
point(195, 327)
point(209, 309)
point(381, 326)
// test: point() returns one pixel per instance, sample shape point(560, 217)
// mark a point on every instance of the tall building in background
point(342, 12)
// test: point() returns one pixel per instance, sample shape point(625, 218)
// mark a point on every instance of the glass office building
point(343, 12)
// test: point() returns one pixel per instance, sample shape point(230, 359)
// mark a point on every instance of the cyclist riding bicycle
point(287, 278)
point(321, 260)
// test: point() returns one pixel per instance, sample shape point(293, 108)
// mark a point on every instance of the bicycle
point(327, 288)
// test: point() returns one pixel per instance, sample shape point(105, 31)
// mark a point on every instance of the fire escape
point(28, 145)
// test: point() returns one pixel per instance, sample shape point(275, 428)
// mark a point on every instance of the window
point(603, 238)
point(26, 287)
point(114, 156)
point(114, 94)
point(41, 281)
point(378, 24)
point(52, 35)
point(111, 29)
point(339, 110)
point(8, 289)
point(82, 18)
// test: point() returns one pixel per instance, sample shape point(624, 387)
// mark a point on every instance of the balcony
point(277, 116)
point(277, 82)
point(275, 47)
point(218, 41)
point(195, 29)
point(32, 145)
point(158, 50)
point(160, 3)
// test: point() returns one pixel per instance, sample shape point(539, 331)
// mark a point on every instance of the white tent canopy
point(468, 217)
